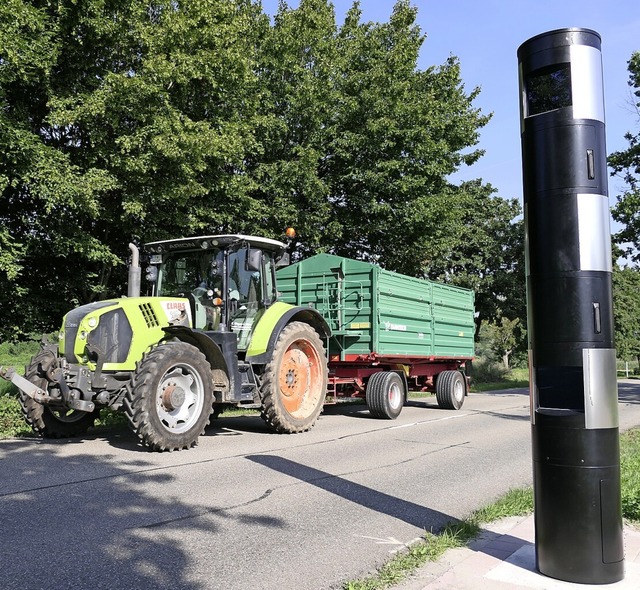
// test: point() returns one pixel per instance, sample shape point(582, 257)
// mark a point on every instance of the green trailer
point(390, 333)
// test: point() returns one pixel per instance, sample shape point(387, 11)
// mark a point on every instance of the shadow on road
point(80, 520)
point(409, 512)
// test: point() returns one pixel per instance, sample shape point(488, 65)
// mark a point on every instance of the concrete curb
point(503, 558)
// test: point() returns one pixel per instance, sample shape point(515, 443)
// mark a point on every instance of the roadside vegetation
point(514, 503)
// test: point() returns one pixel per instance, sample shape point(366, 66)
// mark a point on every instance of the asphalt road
point(255, 510)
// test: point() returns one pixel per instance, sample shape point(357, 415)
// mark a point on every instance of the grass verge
point(630, 474)
point(511, 379)
point(516, 502)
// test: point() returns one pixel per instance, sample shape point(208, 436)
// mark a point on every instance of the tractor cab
point(229, 280)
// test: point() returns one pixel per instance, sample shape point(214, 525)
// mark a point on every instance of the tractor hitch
point(41, 396)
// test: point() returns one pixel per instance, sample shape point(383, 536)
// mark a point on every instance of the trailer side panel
point(375, 311)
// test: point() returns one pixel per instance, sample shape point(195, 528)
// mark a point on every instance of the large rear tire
point(294, 384)
point(51, 421)
point(170, 398)
point(450, 390)
point(385, 395)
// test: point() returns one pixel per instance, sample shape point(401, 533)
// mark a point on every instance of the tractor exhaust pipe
point(134, 272)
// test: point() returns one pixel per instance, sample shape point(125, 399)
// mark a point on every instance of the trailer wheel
point(169, 399)
point(50, 421)
point(294, 382)
point(385, 395)
point(450, 390)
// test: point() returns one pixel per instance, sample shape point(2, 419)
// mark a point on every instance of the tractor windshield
point(186, 272)
point(236, 301)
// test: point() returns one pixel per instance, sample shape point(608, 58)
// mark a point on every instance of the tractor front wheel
point(51, 421)
point(170, 397)
point(294, 382)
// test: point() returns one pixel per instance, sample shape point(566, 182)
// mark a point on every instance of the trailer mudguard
point(273, 321)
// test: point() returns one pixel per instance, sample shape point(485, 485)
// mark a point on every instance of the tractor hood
point(116, 333)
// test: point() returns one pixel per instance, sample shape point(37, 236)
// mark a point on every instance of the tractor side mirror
point(151, 274)
point(254, 260)
point(283, 261)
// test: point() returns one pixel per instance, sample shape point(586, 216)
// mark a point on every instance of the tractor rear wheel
point(385, 395)
point(294, 384)
point(51, 421)
point(169, 399)
point(450, 390)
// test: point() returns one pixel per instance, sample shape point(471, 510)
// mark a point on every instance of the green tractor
point(212, 334)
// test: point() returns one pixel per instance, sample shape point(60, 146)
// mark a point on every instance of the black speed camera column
point(574, 411)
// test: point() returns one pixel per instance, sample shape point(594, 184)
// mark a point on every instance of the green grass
point(19, 353)
point(396, 570)
point(630, 474)
point(15, 355)
point(511, 379)
point(12, 423)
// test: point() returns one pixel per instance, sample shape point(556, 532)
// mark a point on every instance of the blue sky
point(485, 35)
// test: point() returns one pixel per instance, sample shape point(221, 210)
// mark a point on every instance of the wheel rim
point(458, 390)
point(180, 398)
point(300, 378)
point(395, 396)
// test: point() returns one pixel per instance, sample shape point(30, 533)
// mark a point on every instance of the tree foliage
point(626, 164)
point(626, 303)
point(503, 336)
point(122, 120)
point(487, 254)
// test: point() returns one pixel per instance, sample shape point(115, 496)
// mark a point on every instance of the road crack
point(204, 512)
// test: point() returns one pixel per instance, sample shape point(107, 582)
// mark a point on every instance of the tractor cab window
point(269, 276)
point(186, 272)
point(245, 285)
point(245, 295)
point(199, 276)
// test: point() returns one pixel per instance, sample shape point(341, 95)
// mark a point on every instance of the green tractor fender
point(274, 320)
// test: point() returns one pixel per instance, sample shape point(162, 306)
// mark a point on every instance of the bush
point(487, 371)
point(11, 421)
point(18, 354)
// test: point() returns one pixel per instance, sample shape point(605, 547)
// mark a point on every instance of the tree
point(296, 71)
point(488, 255)
point(399, 133)
point(117, 119)
point(502, 336)
point(124, 120)
point(626, 164)
point(626, 303)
